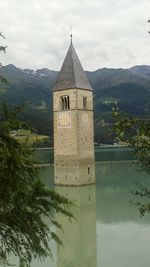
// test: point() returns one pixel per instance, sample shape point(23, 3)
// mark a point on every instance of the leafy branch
point(2, 49)
point(136, 133)
point(143, 193)
point(24, 201)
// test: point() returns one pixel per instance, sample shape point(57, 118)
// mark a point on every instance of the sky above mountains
point(106, 33)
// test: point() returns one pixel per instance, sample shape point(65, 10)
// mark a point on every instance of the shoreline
point(41, 165)
point(96, 146)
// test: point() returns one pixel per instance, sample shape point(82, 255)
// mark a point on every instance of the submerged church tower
point(74, 162)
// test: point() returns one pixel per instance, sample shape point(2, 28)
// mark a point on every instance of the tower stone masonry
point(74, 162)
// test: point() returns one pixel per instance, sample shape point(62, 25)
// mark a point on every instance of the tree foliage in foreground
point(27, 208)
point(3, 49)
point(136, 133)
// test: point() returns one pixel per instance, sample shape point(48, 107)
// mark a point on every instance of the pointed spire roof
point(72, 74)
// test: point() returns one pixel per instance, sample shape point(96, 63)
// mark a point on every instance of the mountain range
point(128, 89)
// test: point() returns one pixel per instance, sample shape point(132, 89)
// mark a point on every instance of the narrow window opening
point(65, 102)
point(84, 102)
point(68, 103)
point(88, 170)
point(62, 103)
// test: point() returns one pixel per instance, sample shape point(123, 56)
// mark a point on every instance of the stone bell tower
point(74, 162)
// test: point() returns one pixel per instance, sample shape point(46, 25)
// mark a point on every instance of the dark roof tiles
point(72, 74)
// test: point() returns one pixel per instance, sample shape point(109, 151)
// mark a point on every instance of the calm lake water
point(101, 154)
point(108, 231)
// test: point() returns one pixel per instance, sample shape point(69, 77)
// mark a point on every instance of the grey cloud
point(106, 33)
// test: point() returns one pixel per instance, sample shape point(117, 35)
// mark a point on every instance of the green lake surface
point(108, 231)
point(102, 153)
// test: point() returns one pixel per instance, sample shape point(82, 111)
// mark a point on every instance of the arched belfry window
point(65, 102)
point(84, 102)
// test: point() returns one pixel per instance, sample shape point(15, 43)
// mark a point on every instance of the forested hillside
point(127, 89)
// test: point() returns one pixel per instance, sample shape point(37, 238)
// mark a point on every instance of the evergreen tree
point(24, 200)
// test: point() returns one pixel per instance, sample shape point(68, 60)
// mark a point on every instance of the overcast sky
point(106, 33)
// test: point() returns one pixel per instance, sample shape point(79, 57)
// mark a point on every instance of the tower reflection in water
point(79, 235)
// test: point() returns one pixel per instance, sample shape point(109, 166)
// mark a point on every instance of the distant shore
point(101, 145)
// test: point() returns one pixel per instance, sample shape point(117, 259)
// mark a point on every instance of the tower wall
point(73, 138)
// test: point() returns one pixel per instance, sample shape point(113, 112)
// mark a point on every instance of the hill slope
point(129, 89)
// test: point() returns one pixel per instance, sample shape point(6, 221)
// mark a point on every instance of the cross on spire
point(71, 33)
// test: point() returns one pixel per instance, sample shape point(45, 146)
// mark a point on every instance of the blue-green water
point(108, 231)
point(114, 153)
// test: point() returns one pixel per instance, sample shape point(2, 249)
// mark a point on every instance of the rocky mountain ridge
point(129, 89)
